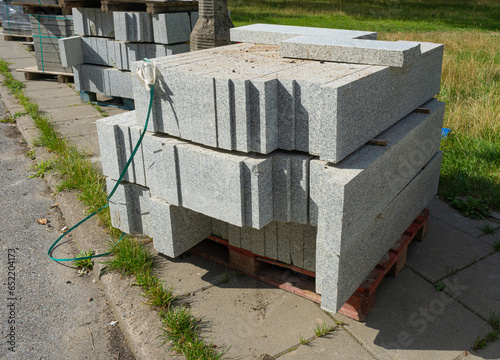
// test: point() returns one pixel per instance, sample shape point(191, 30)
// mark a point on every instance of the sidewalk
point(411, 319)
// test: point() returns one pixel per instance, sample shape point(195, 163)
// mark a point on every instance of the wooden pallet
point(32, 73)
point(150, 6)
point(119, 102)
point(302, 282)
point(14, 37)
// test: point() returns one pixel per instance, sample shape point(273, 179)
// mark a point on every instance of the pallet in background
point(32, 73)
point(302, 282)
point(118, 102)
point(14, 37)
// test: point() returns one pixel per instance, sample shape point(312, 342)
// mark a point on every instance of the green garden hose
point(151, 96)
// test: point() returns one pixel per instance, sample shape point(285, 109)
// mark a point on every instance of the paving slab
point(444, 250)
point(253, 318)
point(189, 273)
point(491, 238)
point(337, 345)
point(491, 352)
point(77, 112)
point(481, 283)
point(411, 320)
point(444, 212)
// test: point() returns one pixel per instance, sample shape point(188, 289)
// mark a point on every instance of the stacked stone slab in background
point(272, 153)
point(47, 30)
point(14, 21)
point(108, 42)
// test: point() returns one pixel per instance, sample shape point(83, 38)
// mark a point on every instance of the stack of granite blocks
point(260, 145)
point(108, 42)
point(47, 30)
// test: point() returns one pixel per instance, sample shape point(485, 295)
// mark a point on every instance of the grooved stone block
point(118, 135)
point(340, 273)
point(93, 22)
point(291, 186)
point(274, 34)
point(104, 80)
point(264, 102)
point(71, 51)
point(350, 194)
point(175, 229)
point(353, 51)
point(291, 243)
point(129, 207)
point(171, 28)
point(229, 187)
point(133, 26)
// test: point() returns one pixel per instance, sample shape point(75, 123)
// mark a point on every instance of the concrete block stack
point(47, 30)
point(270, 146)
point(108, 42)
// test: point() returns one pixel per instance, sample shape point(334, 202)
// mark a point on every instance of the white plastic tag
point(146, 74)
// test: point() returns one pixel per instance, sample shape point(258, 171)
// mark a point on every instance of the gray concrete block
point(71, 51)
point(234, 235)
point(284, 242)
point(274, 34)
point(105, 80)
point(291, 186)
point(130, 207)
point(297, 244)
point(117, 136)
point(171, 28)
point(328, 109)
point(271, 240)
point(353, 192)
point(78, 22)
point(310, 233)
point(371, 100)
point(133, 26)
point(175, 229)
point(352, 51)
point(257, 176)
point(220, 229)
point(213, 183)
point(339, 274)
point(93, 22)
point(95, 50)
point(263, 103)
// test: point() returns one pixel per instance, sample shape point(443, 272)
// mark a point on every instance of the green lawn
point(470, 83)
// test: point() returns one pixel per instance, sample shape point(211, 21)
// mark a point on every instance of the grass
point(494, 320)
point(487, 228)
point(76, 171)
point(496, 245)
point(439, 286)
point(470, 83)
point(481, 343)
point(11, 118)
point(323, 329)
point(42, 168)
point(85, 265)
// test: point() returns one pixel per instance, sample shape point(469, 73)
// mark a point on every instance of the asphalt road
point(47, 311)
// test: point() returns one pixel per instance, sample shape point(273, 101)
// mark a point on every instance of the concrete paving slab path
point(412, 321)
point(444, 212)
point(252, 318)
point(337, 345)
point(481, 283)
point(445, 251)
